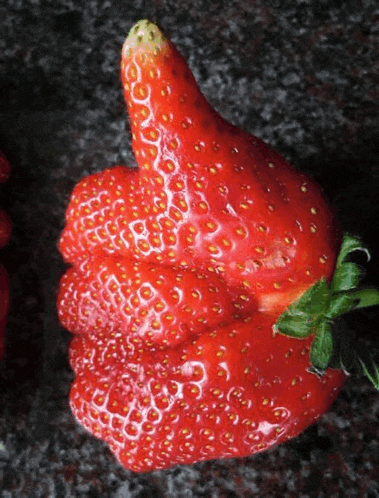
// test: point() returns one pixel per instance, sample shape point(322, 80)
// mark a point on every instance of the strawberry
point(203, 286)
point(158, 305)
point(5, 234)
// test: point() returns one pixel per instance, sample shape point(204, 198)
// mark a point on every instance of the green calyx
point(319, 310)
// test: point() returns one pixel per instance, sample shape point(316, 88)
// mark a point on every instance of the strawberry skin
point(157, 305)
point(206, 194)
point(5, 234)
point(179, 272)
point(207, 399)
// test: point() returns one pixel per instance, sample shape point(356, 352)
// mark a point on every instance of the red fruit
point(184, 272)
point(5, 234)
point(158, 305)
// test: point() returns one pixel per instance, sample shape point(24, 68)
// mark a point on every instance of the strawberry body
point(5, 234)
point(206, 195)
point(228, 393)
point(179, 271)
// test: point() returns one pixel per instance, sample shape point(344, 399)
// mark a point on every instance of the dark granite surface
point(301, 74)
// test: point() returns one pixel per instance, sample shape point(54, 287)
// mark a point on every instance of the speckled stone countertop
point(301, 74)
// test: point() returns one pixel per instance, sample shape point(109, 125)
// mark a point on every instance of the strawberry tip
point(144, 36)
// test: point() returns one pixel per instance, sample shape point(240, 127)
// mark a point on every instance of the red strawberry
point(5, 234)
point(187, 273)
point(156, 304)
point(205, 399)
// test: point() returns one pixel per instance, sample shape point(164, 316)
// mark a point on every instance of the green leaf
point(294, 326)
point(370, 370)
point(350, 244)
point(313, 302)
point(315, 299)
point(346, 277)
point(300, 318)
point(340, 304)
point(365, 297)
point(322, 346)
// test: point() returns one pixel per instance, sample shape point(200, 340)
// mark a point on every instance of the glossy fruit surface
point(180, 271)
